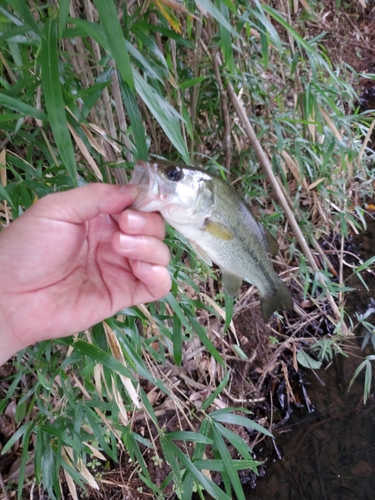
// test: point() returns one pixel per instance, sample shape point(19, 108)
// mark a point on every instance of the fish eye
point(174, 173)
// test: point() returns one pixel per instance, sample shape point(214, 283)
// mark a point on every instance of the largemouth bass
point(219, 225)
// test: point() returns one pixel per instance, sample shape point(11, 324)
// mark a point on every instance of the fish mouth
point(145, 176)
point(141, 173)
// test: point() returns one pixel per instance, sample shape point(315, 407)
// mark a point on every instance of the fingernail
point(127, 242)
point(136, 221)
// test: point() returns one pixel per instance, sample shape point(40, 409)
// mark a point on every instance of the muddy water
point(329, 452)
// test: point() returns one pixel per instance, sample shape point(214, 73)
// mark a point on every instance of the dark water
point(329, 453)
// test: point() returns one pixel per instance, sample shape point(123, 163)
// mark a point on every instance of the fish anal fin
point(271, 243)
point(231, 282)
point(280, 299)
point(201, 253)
point(218, 230)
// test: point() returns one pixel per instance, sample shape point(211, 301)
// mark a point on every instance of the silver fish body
point(218, 223)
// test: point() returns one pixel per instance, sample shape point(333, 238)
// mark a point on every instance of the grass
point(242, 90)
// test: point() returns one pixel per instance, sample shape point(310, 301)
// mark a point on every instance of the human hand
point(74, 259)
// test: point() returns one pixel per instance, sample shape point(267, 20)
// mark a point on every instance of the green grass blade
point(195, 437)
point(164, 113)
point(24, 458)
point(48, 470)
point(202, 334)
point(226, 42)
point(134, 451)
point(230, 418)
point(273, 13)
point(170, 456)
point(209, 7)
point(98, 432)
point(99, 356)
point(54, 98)
point(228, 464)
point(200, 447)
point(216, 392)
point(112, 29)
point(207, 484)
point(63, 15)
point(21, 107)
point(19, 432)
point(241, 446)
point(4, 195)
point(135, 120)
point(177, 340)
point(20, 6)
point(177, 310)
point(187, 486)
point(216, 464)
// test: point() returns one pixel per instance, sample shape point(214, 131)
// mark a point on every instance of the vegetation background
point(178, 392)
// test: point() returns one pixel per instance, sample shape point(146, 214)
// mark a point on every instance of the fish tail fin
point(280, 299)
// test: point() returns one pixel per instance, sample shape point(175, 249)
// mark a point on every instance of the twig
point(341, 270)
point(177, 87)
point(197, 56)
point(3, 487)
point(364, 146)
point(122, 121)
point(324, 256)
point(224, 110)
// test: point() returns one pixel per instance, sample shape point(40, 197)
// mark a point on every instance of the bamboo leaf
point(135, 120)
point(208, 7)
point(228, 463)
point(19, 432)
point(218, 465)
point(21, 107)
point(54, 99)
point(207, 484)
point(63, 15)
point(307, 361)
point(241, 446)
point(195, 437)
point(115, 38)
point(177, 340)
point(216, 392)
point(163, 112)
point(20, 6)
point(100, 356)
point(226, 417)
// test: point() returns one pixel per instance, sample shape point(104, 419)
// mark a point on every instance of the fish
point(218, 223)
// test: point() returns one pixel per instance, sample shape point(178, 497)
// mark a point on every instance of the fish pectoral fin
point(231, 282)
point(271, 243)
point(201, 253)
point(218, 230)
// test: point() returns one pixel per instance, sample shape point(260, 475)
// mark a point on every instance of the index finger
point(84, 203)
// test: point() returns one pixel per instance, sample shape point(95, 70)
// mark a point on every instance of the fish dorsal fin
point(218, 230)
point(271, 243)
point(231, 282)
point(201, 253)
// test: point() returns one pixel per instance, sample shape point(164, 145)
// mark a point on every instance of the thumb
point(84, 203)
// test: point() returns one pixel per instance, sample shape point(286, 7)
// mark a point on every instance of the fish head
point(182, 194)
